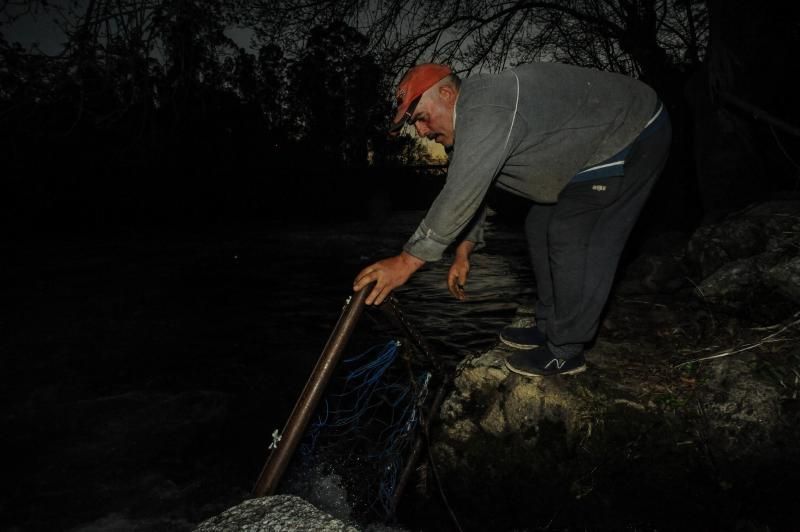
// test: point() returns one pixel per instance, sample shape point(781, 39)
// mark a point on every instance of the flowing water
point(143, 375)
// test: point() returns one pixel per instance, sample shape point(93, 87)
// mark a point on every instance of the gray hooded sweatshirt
point(528, 130)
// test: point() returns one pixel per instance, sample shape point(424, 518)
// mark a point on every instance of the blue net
point(366, 427)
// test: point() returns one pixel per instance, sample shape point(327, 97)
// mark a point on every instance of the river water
point(143, 374)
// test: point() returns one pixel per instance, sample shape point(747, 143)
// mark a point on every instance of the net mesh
point(365, 429)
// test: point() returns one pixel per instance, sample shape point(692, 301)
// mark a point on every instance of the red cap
point(416, 81)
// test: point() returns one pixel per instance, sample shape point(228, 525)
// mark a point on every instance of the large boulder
point(750, 260)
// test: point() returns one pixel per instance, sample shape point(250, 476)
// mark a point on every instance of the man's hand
point(459, 270)
point(389, 274)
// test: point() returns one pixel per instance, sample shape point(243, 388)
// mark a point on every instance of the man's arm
point(475, 231)
point(483, 141)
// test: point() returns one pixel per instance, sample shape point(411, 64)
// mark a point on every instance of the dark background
point(151, 115)
point(154, 146)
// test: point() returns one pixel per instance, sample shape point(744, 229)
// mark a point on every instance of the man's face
point(433, 117)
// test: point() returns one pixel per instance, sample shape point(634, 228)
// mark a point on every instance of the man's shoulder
point(508, 79)
point(562, 74)
point(487, 89)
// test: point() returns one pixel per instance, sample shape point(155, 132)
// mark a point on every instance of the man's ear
point(447, 93)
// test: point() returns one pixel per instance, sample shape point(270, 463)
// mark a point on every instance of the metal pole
point(279, 459)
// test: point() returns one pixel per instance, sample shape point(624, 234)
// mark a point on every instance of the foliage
point(160, 89)
point(338, 101)
point(170, 66)
point(152, 102)
point(619, 35)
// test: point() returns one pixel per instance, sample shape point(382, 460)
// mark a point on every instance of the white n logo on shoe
point(559, 363)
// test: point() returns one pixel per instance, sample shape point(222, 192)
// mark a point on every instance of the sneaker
point(540, 362)
point(522, 337)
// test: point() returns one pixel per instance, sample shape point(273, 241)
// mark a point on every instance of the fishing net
point(365, 430)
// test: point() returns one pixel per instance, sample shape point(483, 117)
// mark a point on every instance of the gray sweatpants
point(575, 244)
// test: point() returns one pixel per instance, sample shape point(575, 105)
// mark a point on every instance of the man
point(584, 146)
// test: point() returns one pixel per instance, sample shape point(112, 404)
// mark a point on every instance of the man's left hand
point(388, 274)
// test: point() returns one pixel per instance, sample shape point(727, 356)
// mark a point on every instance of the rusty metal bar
point(304, 408)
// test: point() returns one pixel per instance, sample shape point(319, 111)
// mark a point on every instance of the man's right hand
point(388, 274)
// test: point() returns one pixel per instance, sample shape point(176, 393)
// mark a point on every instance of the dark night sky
point(39, 30)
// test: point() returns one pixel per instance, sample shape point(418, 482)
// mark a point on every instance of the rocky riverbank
point(687, 417)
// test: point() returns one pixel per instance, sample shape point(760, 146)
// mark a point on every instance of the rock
point(324, 489)
point(713, 246)
point(286, 513)
point(740, 413)
point(733, 284)
point(530, 445)
point(278, 513)
point(784, 276)
point(658, 268)
point(524, 317)
point(653, 274)
point(750, 259)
